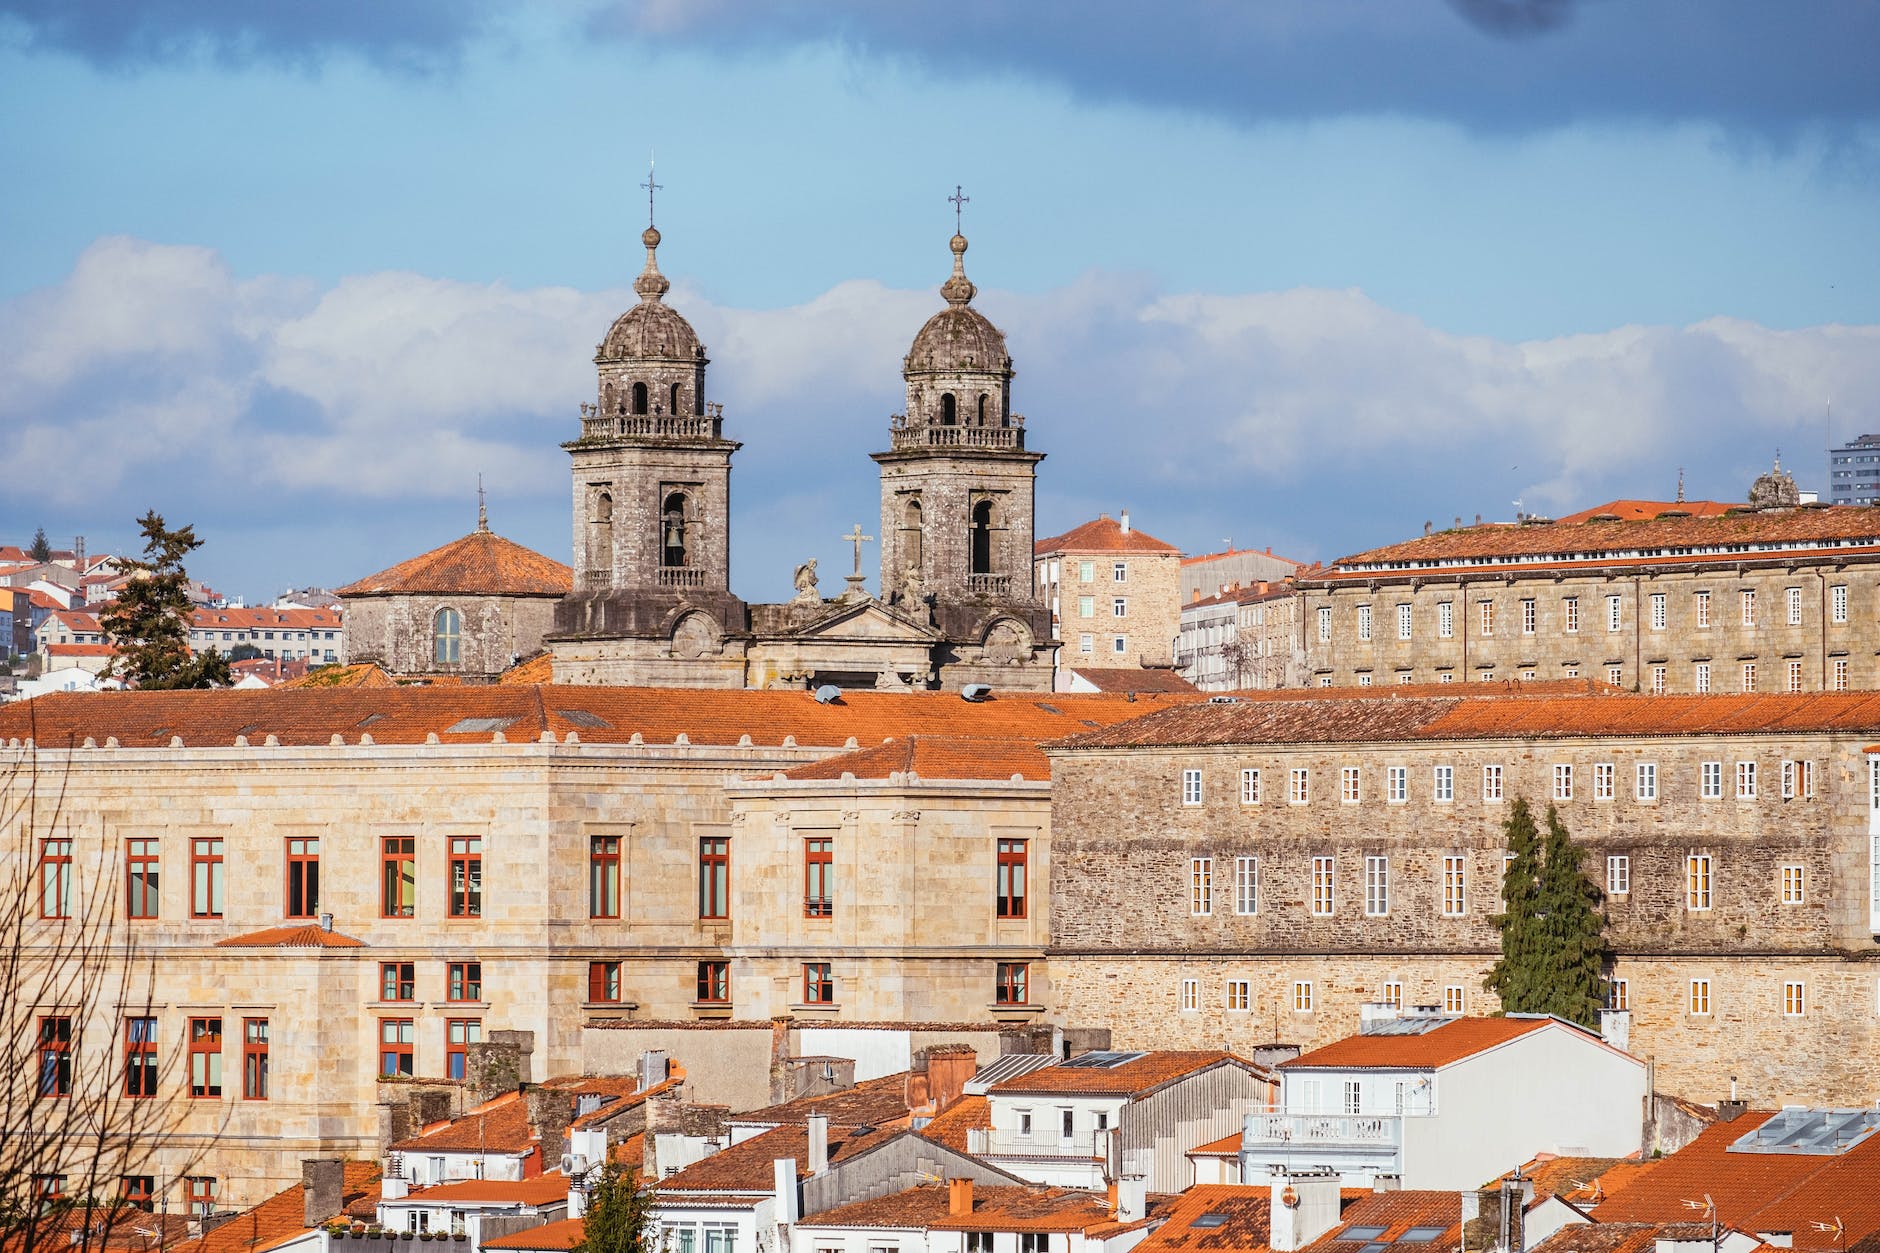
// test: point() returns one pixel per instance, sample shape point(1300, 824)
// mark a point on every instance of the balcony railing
point(1376, 1130)
point(681, 576)
point(1038, 1144)
point(989, 584)
point(598, 425)
point(818, 907)
point(920, 435)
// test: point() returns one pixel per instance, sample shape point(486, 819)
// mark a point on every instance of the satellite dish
point(828, 694)
point(976, 691)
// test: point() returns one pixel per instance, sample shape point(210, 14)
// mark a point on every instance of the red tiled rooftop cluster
point(482, 563)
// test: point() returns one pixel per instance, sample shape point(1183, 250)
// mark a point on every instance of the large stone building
point(1112, 594)
point(652, 601)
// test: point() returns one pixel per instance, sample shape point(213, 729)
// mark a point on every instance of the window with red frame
point(465, 982)
point(205, 1057)
point(604, 876)
point(398, 893)
point(202, 1192)
point(459, 1035)
point(603, 981)
point(55, 1056)
point(254, 1059)
point(466, 876)
point(398, 981)
point(714, 877)
point(55, 878)
point(139, 1192)
point(140, 1057)
point(207, 879)
point(141, 871)
point(819, 986)
point(714, 983)
point(1013, 857)
point(48, 1190)
point(1010, 988)
point(395, 1041)
point(819, 872)
point(303, 876)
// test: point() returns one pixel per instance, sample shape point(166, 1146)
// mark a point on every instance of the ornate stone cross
point(855, 581)
point(958, 202)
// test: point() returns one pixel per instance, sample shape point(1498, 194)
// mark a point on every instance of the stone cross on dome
point(958, 201)
point(650, 187)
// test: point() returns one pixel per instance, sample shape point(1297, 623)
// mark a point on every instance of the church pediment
point(868, 620)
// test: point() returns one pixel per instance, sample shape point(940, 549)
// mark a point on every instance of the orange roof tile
point(749, 1166)
point(1246, 1222)
point(482, 563)
point(1105, 535)
point(303, 935)
point(1646, 510)
point(359, 674)
point(1455, 1040)
point(555, 1236)
point(80, 650)
point(498, 1126)
point(995, 1207)
point(950, 1125)
point(1136, 679)
point(934, 757)
point(540, 1190)
point(537, 669)
point(877, 1102)
point(257, 619)
point(1396, 1213)
point(1226, 1146)
point(1143, 1074)
point(278, 1218)
point(1580, 1180)
point(1605, 1238)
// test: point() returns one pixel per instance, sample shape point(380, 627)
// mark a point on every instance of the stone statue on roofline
point(1774, 489)
point(805, 579)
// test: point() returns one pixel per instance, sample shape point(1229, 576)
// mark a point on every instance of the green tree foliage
point(149, 624)
point(1553, 946)
point(618, 1214)
point(41, 549)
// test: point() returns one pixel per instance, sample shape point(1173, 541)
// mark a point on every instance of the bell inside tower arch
point(982, 537)
point(673, 532)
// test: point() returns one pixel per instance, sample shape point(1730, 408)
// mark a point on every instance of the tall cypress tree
point(42, 547)
point(1572, 928)
point(149, 624)
point(1518, 977)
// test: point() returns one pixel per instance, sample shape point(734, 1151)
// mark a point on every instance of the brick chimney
point(959, 1197)
point(550, 1112)
point(323, 1180)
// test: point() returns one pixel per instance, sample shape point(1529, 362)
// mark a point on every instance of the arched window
point(982, 408)
point(639, 398)
point(948, 410)
point(672, 527)
point(982, 537)
point(447, 637)
point(601, 543)
point(673, 408)
point(610, 399)
point(910, 533)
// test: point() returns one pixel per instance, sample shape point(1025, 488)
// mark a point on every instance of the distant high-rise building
point(1854, 472)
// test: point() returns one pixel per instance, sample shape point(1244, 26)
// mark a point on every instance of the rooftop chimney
point(1132, 1198)
point(1125, 522)
point(1304, 1207)
point(959, 1197)
point(818, 1143)
point(323, 1180)
point(787, 1193)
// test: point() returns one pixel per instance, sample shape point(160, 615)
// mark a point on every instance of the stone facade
point(1090, 573)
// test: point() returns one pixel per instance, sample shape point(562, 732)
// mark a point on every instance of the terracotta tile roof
point(359, 674)
point(405, 715)
point(1452, 1042)
point(1131, 1078)
point(995, 1208)
point(1604, 1238)
point(1396, 1213)
point(934, 757)
point(1202, 558)
point(748, 1166)
point(630, 1151)
point(950, 1125)
point(257, 619)
point(482, 563)
point(1226, 1146)
point(540, 1190)
point(1247, 1224)
point(1509, 713)
point(131, 1230)
point(80, 650)
point(537, 669)
point(1105, 535)
point(1128, 679)
point(618, 1096)
point(498, 1126)
point(1646, 510)
point(1583, 1181)
point(555, 1236)
point(280, 1217)
point(304, 935)
point(875, 1102)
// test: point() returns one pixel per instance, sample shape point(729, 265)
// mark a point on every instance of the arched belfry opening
point(673, 527)
point(601, 541)
point(949, 410)
point(673, 408)
point(982, 538)
point(639, 398)
point(982, 408)
point(911, 552)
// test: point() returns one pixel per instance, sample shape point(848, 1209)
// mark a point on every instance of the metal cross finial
point(856, 538)
point(651, 187)
point(483, 513)
point(958, 201)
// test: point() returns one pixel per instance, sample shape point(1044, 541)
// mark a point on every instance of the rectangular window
point(1840, 674)
point(1529, 617)
point(1446, 619)
point(1697, 882)
point(1403, 622)
point(1701, 676)
point(1364, 680)
point(1239, 995)
point(1700, 996)
point(254, 1059)
point(1702, 605)
point(819, 986)
point(1618, 994)
point(1491, 783)
point(1364, 622)
point(819, 872)
point(1749, 676)
point(1086, 571)
point(1119, 607)
point(202, 1191)
point(303, 876)
point(1749, 608)
point(1201, 885)
point(1658, 611)
point(603, 981)
point(1119, 572)
point(1393, 994)
point(1011, 871)
point(397, 981)
point(1746, 780)
point(1837, 603)
point(1376, 886)
point(398, 855)
point(714, 876)
point(206, 878)
point(604, 876)
point(139, 1192)
point(1563, 783)
point(1396, 784)
point(1805, 779)
point(465, 981)
point(1615, 676)
point(1660, 680)
point(55, 1056)
point(1794, 595)
point(1086, 643)
point(1792, 890)
point(459, 1035)
point(1792, 999)
point(1302, 996)
point(1614, 618)
point(1298, 786)
point(1348, 785)
point(1710, 780)
point(1618, 874)
point(1191, 787)
point(1570, 610)
point(1488, 617)
point(1794, 676)
point(1325, 625)
point(1322, 887)
point(205, 1057)
point(1455, 1000)
point(1246, 885)
point(1086, 606)
point(1119, 644)
point(1191, 994)
point(140, 1057)
point(1009, 983)
point(1602, 781)
point(714, 983)
point(1645, 780)
point(1443, 784)
point(141, 871)
point(1250, 787)
point(396, 1036)
point(1455, 887)
point(55, 879)
point(466, 876)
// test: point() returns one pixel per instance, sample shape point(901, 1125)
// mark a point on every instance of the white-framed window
point(1700, 678)
point(1710, 781)
point(1491, 783)
point(1618, 994)
point(1563, 782)
point(1455, 1000)
point(1837, 603)
point(1793, 999)
point(1749, 608)
point(1615, 619)
point(1403, 622)
point(1298, 785)
point(1325, 680)
point(1086, 571)
point(1250, 787)
point(1615, 676)
point(1086, 643)
point(1749, 676)
point(1446, 619)
point(1405, 677)
point(1119, 572)
point(1455, 886)
point(1794, 596)
point(1443, 784)
point(1645, 780)
point(1746, 780)
point(1840, 674)
point(1602, 781)
point(1191, 787)
point(1239, 995)
point(1396, 784)
point(1660, 680)
point(1119, 607)
point(1119, 644)
point(1364, 680)
point(1445, 677)
point(1793, 889)
point(1393, 993)
point(1700, 603)
point(1086, 606)
point(1529, 617)
point(1487, 676)
point(1200, 886)
point(1658, 611)
point(1325, 624)
point(1191, 995)
point(1376, 886)
point(1488, 617)
point(1697, 882)
point(1618, 874)
point(1354, 1096)
point(1364, 622)
point(1246, 885)
point(1302, 996)
point(1699, 1003)
point(1323, 893)
point(1570, 612)
point(1794, 676)
point(1348, 785)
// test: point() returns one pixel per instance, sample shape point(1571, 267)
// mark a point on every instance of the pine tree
point(619, 1214)
point(149, 624)
point(1572, 930)
point(41, 549)
point(1517, 978)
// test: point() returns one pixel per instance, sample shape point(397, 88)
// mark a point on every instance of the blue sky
point(1307, 273)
